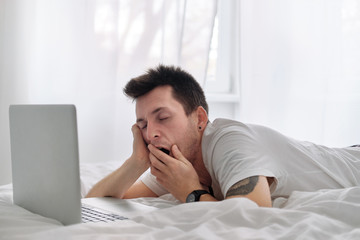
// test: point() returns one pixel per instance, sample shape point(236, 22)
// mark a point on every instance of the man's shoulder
point(228, 134)
point(226, 122)
point(224, 130)
point(221, 126)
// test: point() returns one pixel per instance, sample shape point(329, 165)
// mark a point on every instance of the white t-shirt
point(233, 151)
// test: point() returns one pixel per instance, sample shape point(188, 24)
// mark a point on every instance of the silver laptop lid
point(45, 160)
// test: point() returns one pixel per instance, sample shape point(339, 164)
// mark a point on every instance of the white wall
point(300, 68)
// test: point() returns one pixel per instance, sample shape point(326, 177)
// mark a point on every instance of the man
point(196, 160)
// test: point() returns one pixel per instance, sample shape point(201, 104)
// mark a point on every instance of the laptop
point(45, 167)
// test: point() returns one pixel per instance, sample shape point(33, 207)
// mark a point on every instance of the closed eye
point(163, 117)
point(142, 124)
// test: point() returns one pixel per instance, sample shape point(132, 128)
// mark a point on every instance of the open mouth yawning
point(165, 151)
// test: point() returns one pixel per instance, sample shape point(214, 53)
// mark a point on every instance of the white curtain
point(83, 52)
point(300, 68)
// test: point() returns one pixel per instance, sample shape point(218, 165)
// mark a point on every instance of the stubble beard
point(192, 146)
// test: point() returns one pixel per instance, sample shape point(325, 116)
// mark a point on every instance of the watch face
point(191, 198)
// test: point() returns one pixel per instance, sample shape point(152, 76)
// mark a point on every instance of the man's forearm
point(118, 182)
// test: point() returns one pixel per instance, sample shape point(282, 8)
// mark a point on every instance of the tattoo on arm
point(243, 187)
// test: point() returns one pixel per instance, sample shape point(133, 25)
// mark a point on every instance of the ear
point(202, 118)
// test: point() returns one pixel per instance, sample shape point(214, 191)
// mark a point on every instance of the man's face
point(163, 122)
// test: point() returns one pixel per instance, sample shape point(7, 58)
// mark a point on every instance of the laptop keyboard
point(90, 214)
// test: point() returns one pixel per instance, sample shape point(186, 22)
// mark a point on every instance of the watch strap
point(194, 196)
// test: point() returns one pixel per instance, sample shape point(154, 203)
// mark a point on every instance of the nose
point(152, 132)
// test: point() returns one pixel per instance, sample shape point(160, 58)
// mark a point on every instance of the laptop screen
point(45, 160)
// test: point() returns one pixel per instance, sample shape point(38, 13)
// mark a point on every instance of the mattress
point(324, 214)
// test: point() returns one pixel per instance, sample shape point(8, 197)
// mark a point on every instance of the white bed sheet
point(325, 214)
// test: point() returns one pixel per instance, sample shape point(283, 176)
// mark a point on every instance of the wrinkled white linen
point(325, 214)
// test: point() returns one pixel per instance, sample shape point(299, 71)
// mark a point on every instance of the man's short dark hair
point(185, 88)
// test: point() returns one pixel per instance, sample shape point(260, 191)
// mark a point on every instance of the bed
point(325, 214)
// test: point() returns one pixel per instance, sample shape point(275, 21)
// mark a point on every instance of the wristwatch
point(194, 196)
